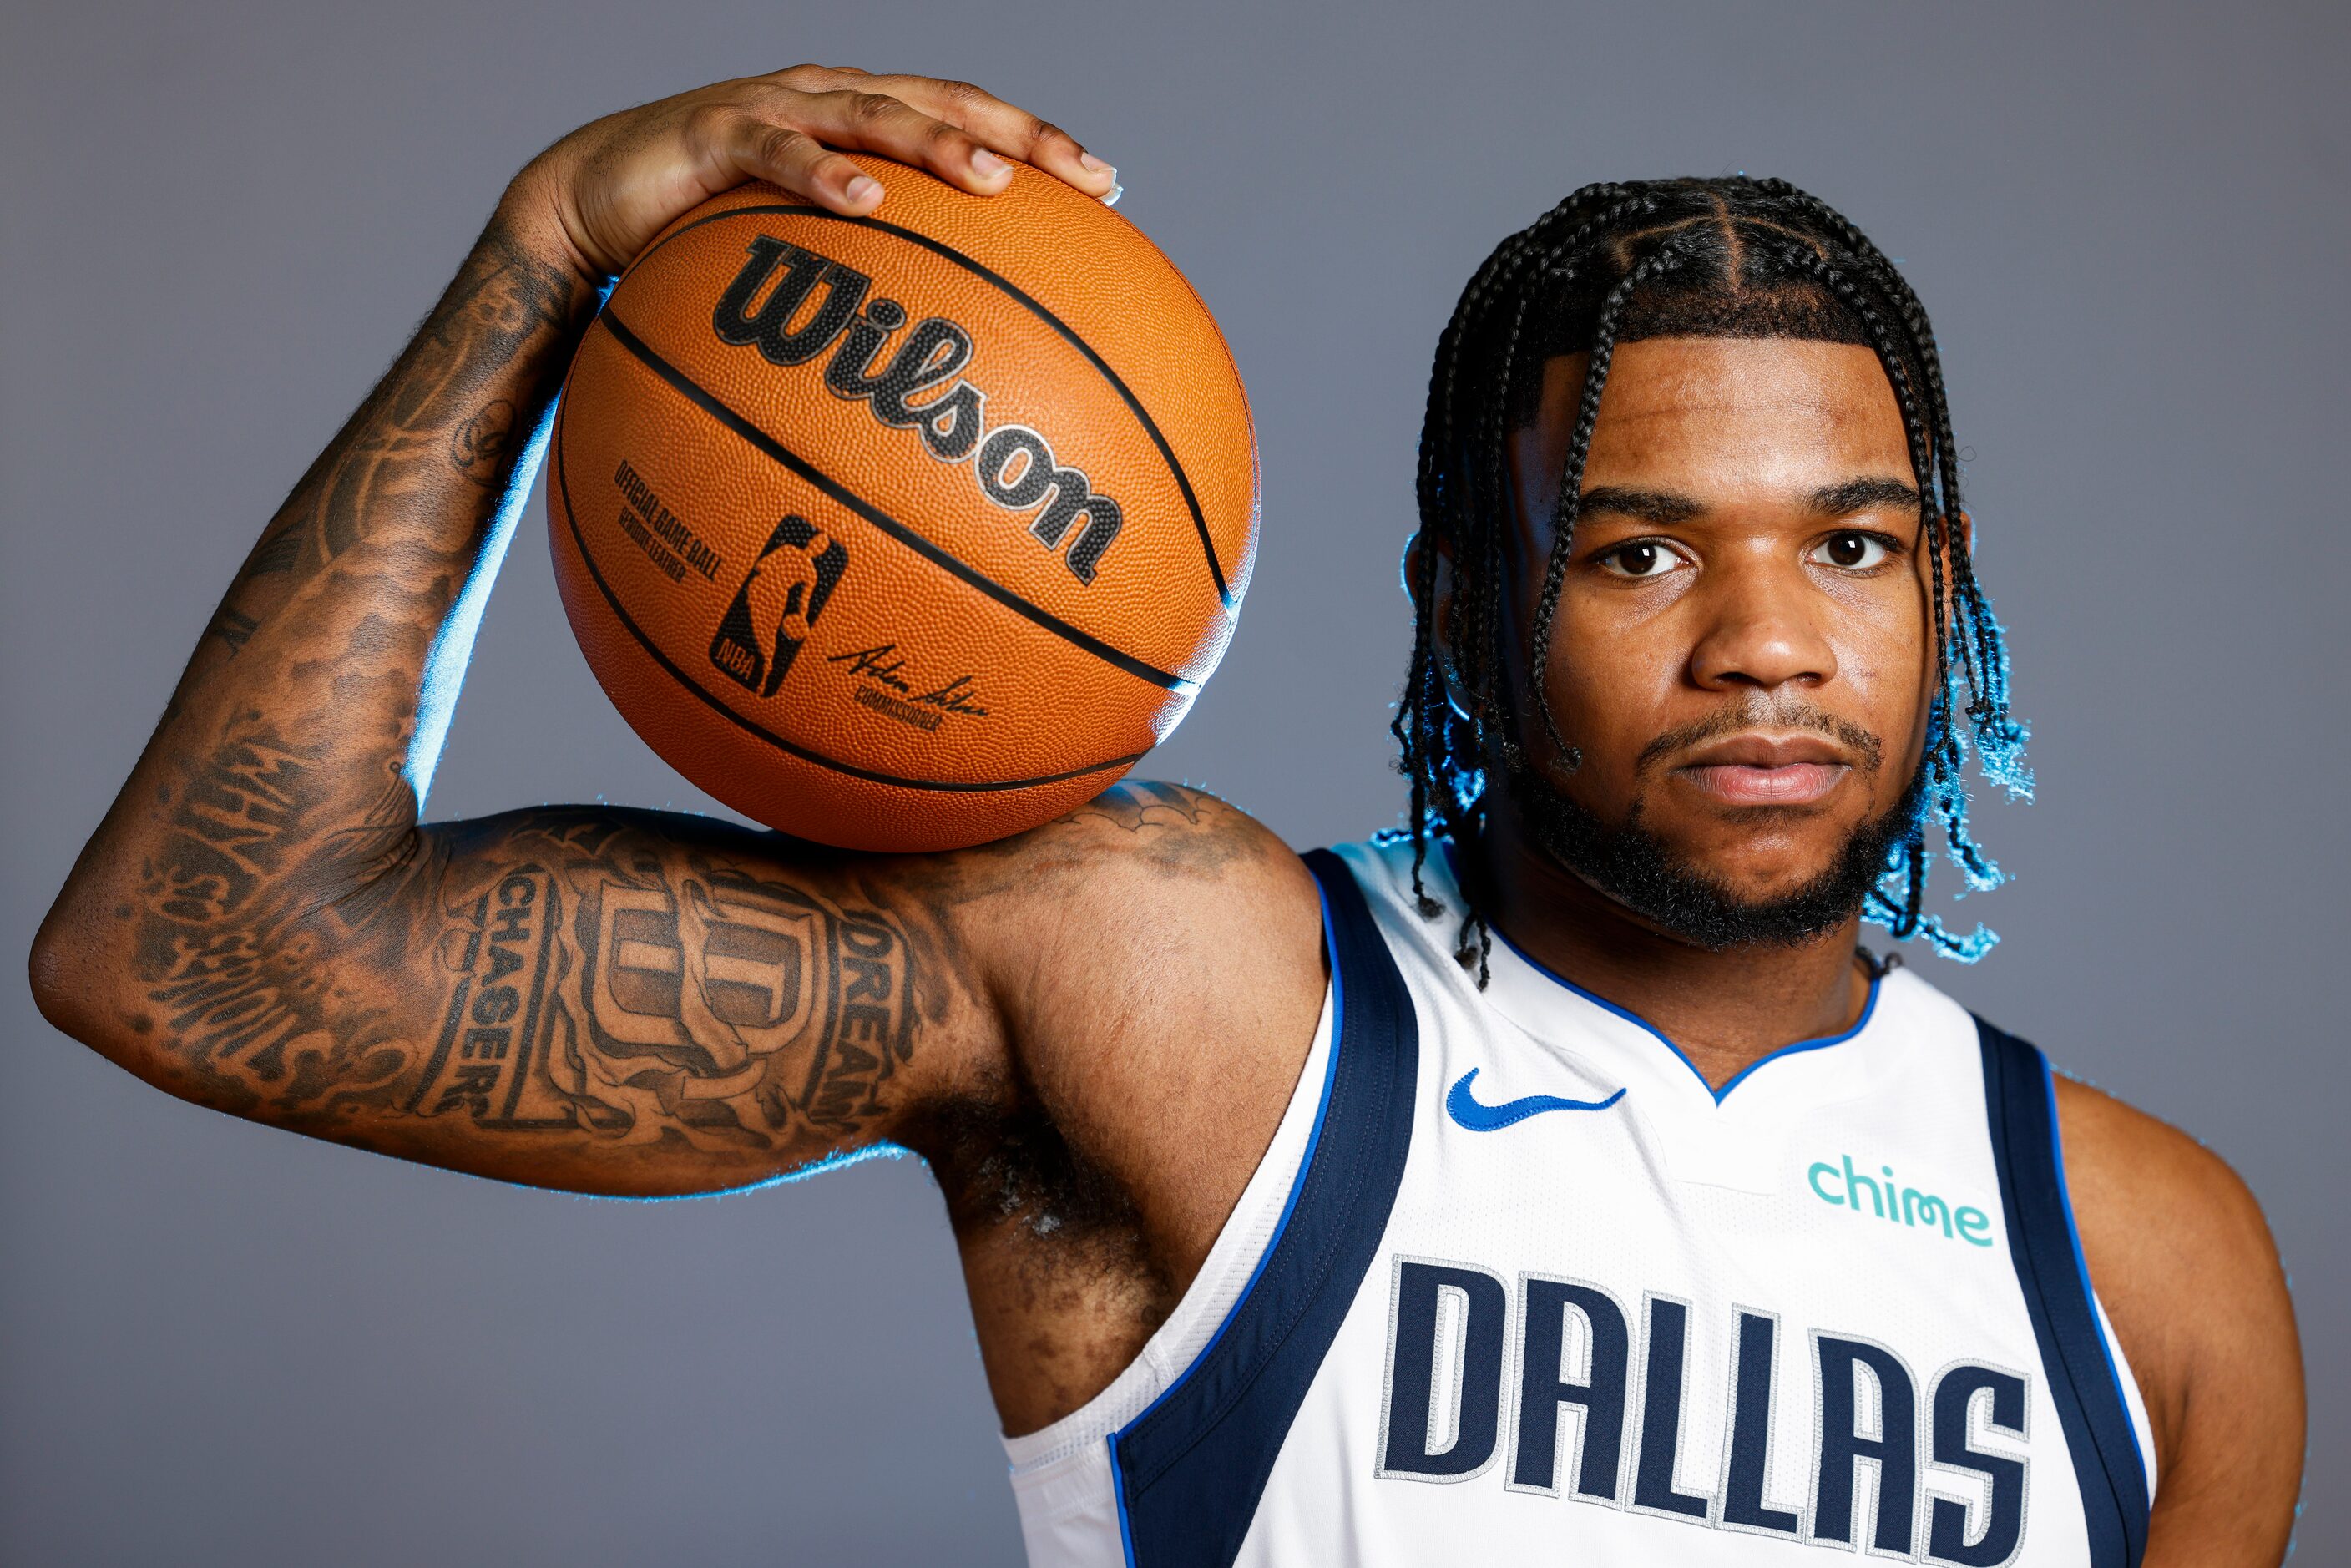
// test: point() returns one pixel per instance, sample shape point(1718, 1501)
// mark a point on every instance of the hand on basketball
point(611, 185)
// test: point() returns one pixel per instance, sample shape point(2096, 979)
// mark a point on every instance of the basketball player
point(1558, 1181)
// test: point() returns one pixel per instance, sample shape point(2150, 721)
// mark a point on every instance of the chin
point(1743, 869)
point(1717, 890)
point(1752, 889)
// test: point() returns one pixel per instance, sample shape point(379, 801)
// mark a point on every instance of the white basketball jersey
point(1513, 1285)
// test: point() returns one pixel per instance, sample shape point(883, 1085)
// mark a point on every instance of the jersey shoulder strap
point(1189, 1470)
point(2020, 1100)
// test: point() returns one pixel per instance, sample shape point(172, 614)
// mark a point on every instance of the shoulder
point(1168, 848)
point(1176, 839)
point(2153, 1197)
point(2183, 1259)
point(1167, 827)
point(1145, 882)
point(2136, 1158)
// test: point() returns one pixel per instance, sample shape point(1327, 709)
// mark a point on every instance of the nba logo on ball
point(765, 627)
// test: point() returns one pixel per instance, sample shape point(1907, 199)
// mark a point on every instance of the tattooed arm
point(610, 1000)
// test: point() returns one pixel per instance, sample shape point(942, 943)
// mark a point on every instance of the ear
point(1419, 557)
point(1428, 570)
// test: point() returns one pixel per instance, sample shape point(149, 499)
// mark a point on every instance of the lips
point(1766, 770)
point(1791, 784)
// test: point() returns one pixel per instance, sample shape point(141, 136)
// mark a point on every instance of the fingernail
point(985, 162)
point(864, 188)
point(1092, 164)
point(1116, 191)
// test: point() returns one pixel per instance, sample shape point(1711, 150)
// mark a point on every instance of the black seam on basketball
point(562, 497)
point(1037, 308)
point(768, 445)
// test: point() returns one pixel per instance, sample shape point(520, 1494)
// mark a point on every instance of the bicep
point(2229, 1494)
point(607, 1001)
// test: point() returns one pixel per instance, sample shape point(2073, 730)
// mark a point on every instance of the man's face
point(1740, 650)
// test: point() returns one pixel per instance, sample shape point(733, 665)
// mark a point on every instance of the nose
point(1762, 633)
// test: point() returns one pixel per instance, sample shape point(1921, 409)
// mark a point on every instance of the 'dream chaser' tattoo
point(642, 997)
point(549, 973)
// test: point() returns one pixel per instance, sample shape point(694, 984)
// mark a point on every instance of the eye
point(1640, 558)
point(1851, 551)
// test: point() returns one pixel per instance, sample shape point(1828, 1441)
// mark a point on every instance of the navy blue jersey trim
point(2020, 1101)
point(1189, 1470)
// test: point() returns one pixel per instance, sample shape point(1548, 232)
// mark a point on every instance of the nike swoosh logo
point(1463, 1107)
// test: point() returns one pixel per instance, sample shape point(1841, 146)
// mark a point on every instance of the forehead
point(1710, 415)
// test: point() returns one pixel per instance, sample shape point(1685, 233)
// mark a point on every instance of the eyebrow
point(1861, 494)
point(1644, 506)
point(1671, 506)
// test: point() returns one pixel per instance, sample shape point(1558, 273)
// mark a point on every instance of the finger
point(760, 149)
point(1004, 128)
point(812, 79)
point(879, 122)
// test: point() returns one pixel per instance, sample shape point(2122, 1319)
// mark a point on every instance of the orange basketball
point(910, 531)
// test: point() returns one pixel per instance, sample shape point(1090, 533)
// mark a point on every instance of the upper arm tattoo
point(553, 981)
point(599, 985)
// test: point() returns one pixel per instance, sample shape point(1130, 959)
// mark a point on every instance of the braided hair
point(1615, 264)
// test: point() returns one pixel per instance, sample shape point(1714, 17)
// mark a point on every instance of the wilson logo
point(793, 305)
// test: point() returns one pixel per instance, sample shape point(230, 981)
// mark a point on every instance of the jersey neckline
point(1543, 972)
point(1821, 1042)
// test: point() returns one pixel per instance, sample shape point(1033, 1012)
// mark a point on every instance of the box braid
point(1616, 263)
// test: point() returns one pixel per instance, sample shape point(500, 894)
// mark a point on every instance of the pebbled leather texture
point(960, 678)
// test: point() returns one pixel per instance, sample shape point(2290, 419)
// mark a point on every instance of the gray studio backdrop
point(217, 223)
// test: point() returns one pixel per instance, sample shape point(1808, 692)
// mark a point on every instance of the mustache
point(1758, 712)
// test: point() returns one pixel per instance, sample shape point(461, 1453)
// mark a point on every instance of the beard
point(1642, 872)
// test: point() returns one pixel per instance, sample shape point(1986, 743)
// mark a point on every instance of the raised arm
point(609, 1000)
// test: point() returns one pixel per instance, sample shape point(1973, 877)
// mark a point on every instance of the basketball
point(910, 531)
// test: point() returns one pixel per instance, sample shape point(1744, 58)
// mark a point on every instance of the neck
point(1725, 1009)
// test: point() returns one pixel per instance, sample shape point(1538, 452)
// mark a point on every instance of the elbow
point(84, 985)
point(75, 983)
